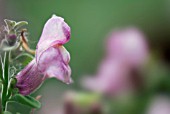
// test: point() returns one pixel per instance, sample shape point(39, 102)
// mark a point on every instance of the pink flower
point(128, 45)
point(51, 59)
point(126, 51)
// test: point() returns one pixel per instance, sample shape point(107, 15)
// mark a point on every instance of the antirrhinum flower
point(51, 58)
point(118, 72)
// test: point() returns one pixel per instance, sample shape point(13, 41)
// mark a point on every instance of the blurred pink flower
point(126, 51)
point(51, 59)
point(159, 105)
point(128, 45)
point(112, 78)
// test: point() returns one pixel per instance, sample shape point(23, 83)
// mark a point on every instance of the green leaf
point(24, 58)
point(26, 100)
point(7, 112)
point(12, 87)
point(20, 24)
point(10, 24)
point(21, 61)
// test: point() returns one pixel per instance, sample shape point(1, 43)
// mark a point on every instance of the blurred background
point(93, 24)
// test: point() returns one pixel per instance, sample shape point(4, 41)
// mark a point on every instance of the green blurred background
point(90, 22)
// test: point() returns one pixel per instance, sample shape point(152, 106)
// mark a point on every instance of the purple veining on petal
point(54, 63)
point(66, 30)
point(29, 79)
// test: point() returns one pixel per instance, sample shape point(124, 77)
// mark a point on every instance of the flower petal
point(53, 62)
point(29, 79)
point(55, 32)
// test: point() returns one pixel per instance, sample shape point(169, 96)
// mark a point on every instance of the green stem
point(4, 98)
point(1, 77)
point(1, 69)
point(4, 93)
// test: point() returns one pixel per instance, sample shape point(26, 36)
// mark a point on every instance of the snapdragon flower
point(127, 51)
point(51, 58)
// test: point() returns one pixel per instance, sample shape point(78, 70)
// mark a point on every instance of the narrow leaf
point(26, 100)
point(10, 24)
point(24, 58)
point(20, 24)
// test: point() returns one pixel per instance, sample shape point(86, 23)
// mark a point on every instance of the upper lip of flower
point(52, 29)
point(55, 33)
